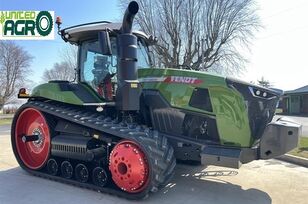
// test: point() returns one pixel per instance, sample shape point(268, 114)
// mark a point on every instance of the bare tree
point(265, 83)
point(14, 69)
point(224, 26)
point(69, 55)
point(60, 71)
point(65, 70)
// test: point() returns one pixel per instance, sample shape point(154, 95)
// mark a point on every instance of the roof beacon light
point(22, 93)
point(59, 22)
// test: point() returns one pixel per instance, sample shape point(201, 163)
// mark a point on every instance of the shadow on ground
point(199, 186)
point(191, 184)
point(278, 162)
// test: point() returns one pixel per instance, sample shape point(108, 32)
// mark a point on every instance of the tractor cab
point(98, 61)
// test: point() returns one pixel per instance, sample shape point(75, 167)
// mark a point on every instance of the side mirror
point(104, 42)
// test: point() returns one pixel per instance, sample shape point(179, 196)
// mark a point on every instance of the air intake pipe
point(128, 91)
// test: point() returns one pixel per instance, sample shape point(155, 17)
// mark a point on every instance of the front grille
point(260, 103)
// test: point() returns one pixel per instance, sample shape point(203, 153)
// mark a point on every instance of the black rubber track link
point(157, 149)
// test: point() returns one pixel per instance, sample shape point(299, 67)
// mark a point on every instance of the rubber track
point(159, 152)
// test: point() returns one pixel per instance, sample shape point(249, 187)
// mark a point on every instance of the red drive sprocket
point(129, 167)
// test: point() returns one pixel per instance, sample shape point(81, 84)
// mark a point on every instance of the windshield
point(95, 66)
point(143, 55)
point(96, 69)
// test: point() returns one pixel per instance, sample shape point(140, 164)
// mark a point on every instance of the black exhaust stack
point(129, 16)
point(128, 91)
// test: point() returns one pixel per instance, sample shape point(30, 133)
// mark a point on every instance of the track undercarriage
point(102, 154)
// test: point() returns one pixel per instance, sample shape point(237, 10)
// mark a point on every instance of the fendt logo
point(26, 25)
point(183, 80)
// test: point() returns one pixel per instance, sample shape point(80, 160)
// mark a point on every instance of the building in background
point(295, 102)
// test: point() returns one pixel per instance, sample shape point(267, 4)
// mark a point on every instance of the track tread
point(156, 151)
point(159, 152)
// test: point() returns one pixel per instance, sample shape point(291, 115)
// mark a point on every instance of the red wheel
point(129, 167)
point(33, 154)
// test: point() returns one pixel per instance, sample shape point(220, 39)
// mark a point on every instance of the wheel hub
point(129, 167)
point(38, 143)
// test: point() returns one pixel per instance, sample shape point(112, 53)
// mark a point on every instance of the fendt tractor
point(122, 124)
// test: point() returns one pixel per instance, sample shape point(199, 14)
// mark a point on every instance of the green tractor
point(121, 127)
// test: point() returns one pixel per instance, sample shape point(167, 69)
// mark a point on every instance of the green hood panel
point(231, 116)
point(71, 93)
point(177, 85)
point(207, 79)
point(229, 109)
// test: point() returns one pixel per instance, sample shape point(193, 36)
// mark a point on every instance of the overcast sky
point(278, 53)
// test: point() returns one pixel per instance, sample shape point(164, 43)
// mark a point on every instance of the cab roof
point(79, 33)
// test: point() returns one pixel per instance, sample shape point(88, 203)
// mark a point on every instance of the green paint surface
point(232, 117)
point(52, 91)
point(228, 104)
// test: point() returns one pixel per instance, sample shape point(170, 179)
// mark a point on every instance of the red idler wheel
point(129, 167)
point(33, 154)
